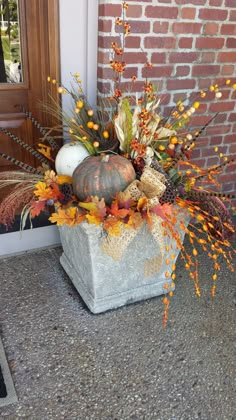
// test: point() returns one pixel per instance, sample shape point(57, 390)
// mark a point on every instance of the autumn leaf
point(163, 210)
point(37, 207)
point(142, 203)
point(65, 217)
point(135, 219)
point(93, 219)
point(42, 191)
point(124, 200)
point(56, 193)
point(50, 176)
point(101, 206)
point(96, 208)
point(116, 212)
point(112, 226)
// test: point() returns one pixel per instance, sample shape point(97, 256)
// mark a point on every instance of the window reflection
point(10, 48)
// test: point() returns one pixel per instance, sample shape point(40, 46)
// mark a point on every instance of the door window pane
point(10, 45)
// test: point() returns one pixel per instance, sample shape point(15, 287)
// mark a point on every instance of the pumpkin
point(68, 158)
point(102, 176)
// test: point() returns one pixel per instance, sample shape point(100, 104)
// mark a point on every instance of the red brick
point(232, 117)
point(113, 10)
point(227, 70)
point(104, 87)
point(216, 3)
point(129, 72)
point(139, 26)
point(199, 121)
point(211, 43)
point(216, 140)
point(212, 14)
point(232, 15)
point(158, 58)
point(195, 2)
point(211, 152)
point(195, 154)
point(231, 43)
point(132, 41)
point(218, 129)
point(162, 12)
point(164, 98)
point(230, 3)
point(105, 73)
point(134, 11)
point(205, 70)
point(222, 106)
point(188, 13)
point(220, 118)
point(212, 161)
point(229, 139)
point(132, 87)
point(204, 84)
point(160, 27)
point(159, 71)
point(178, 84)
point(105, 41)
point(208, 57)
point(201, 163)
point(103, 57)
point(185, 42)
point(211, 28)
point(186, 28)
point(226, 57)
point(226, 178)
point(135, 57)
point(228, 29)
point(159, 42)
point(182, 71)
point(104, 25)
point(183, 57)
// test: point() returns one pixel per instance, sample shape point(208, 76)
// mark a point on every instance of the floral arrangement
point(126, 164)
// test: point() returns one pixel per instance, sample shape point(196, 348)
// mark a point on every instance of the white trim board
point(28, 240)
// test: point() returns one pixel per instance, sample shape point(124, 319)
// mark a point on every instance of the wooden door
point(39, 40)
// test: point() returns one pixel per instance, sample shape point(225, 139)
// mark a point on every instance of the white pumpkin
point(69, 157)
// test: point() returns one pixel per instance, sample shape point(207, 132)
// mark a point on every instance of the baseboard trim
point(28, 240)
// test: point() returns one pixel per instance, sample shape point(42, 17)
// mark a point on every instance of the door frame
point(85, 12)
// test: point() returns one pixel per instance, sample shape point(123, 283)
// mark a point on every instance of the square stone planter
point(104, 283)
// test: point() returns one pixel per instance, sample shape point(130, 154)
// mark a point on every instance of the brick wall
point(191, 44)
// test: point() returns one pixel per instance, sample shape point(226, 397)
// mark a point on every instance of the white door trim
point(78, 52)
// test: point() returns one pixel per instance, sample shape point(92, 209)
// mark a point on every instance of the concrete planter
point(104, 283)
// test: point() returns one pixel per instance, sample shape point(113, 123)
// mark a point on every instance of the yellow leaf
point(93, 219)
point(88, 206)
point(42, 191)
point(64, 217)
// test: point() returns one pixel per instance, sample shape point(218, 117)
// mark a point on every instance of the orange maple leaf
point(37, 207)
point(116, 212)
point(68, 217)
point(112, 226)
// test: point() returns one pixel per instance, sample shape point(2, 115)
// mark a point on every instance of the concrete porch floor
point(67, 363)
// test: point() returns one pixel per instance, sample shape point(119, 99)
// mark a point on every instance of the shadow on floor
point(67, 363)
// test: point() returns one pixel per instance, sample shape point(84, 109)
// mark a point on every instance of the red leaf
point(37, 207)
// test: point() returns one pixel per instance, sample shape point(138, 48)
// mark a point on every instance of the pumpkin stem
point(105, 158)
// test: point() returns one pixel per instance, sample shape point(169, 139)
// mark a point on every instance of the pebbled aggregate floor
point(67, 363)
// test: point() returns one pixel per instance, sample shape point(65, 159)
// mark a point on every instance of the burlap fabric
point(152, 187)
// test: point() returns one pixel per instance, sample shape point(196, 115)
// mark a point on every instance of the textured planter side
point(104, 283)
